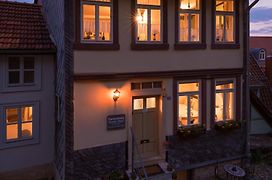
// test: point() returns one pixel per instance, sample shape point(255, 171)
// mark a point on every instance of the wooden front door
point(145, 125)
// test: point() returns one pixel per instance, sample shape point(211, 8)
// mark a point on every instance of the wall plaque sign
point(116, 122)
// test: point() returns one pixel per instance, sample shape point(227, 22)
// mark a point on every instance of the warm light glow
point(116, 95)
point(151, 102)
point(189, 4)
point(138, 104)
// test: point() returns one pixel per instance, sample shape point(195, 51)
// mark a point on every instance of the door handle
point(144, 141)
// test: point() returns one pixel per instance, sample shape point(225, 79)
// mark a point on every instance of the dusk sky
point(261, 18)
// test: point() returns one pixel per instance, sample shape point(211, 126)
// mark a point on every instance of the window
point(188, 103)
point(147, 103)
point(190, 24)
point(97, 21)
point(150, 23)
point(18, 122)
point(226, 25)
point(262, 55)
point(21, 71)
point(224, 100)
point(97, 25)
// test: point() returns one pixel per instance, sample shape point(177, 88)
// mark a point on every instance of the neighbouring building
point(27, 93)
point(264, 42)
point(170, 73)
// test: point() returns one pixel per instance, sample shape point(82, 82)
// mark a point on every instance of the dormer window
point(262, 55)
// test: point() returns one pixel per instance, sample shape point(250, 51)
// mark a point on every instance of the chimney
point(268, 68)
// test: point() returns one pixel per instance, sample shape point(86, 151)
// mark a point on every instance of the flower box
point(225, 126)
point(190, 131)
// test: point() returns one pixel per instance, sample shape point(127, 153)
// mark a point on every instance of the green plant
point(191, 131)
point(227, 125)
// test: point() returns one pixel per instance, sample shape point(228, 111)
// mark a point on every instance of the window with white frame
point(189, 103)
point(189, 20)
point(225, 21)
point(96, 20)
point(148, 21)
point(18, 122)
point(224, 100)
point(262, 55)
point(21, 71)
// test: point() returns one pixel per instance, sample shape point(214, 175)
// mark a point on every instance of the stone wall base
point(44, 172)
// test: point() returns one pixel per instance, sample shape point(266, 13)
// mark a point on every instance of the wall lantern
point(116, 95)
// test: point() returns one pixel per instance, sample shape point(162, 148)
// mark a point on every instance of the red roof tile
point(23, 27)
point(261, 42)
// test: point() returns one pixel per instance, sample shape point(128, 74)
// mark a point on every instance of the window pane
point(27, 130)
point(14, 77)
point(29, 63)
point(14, 63)
point(155, 25)
point(26, 113)
point(182, 111)
point(224, 84)
point(195, 27)
point(12, 132)
point(147, 85)
point(88, 22)
point(230, 106)
point(151, 102)
point(12, 115)
point(225, 5)
point(149, 2)
point(142, 24)
point(104, 23)
point(229, 28)
point(189, 4)
point(29, 77)
point(184, 26)
point(157, 84)
point(135, 86)
point(188, 87)
point(194, 115)
point(219, 28)
point(219, 107)
point(138, 104)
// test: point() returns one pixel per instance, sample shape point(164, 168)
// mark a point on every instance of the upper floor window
point(21, 71)
point(97, 21)
point(188, 103)
point(224, 100)
point(189, 20)
point(148, 21)
point(225, 21)
point(262, 55)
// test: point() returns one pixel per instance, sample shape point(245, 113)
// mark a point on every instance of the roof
point(264, 42)
point(22, 27)
point(261, 99)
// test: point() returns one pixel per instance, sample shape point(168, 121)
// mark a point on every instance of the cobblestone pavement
point(263, 171)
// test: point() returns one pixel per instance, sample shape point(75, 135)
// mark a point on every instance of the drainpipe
point(247, 103)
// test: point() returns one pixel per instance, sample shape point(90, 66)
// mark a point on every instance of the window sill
point(190, 46)
point(19, 143)
point(190, 131)
point(226, 126)
point(97, 46)
point(148, 47)
point(225, 46)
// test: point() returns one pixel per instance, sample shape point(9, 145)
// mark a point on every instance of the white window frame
point(6, 87)
point(262, 55)
point(149, 8)
point(225, 14)
point(97, 4)
point(188, 95)
point(4, 143)
point(224, 91)
point(190, 12)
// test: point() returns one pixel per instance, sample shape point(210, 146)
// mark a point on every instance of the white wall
point(42, 152)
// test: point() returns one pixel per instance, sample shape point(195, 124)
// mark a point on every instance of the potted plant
point(190, 131)
point(226, 126)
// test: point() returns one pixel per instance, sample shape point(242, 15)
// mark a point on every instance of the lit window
point(224, 21)
point(224, 100)
point(262, 55)
point(189, 20)
point(19, 122)
point(97, 20)
point(21, 70)
point(138, 104)
point(188, 104)
point(148, 21)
